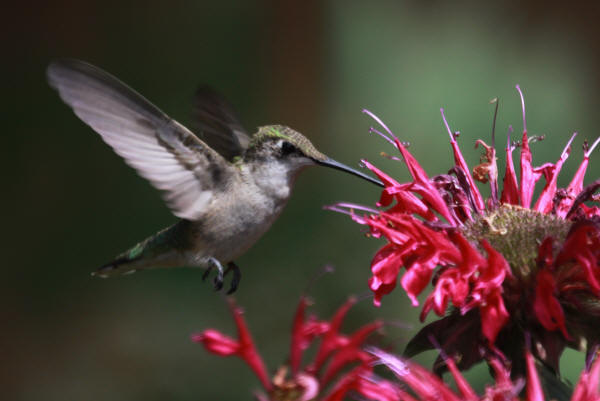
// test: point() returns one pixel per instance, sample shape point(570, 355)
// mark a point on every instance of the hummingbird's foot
point(237, 276)
point(218, 281)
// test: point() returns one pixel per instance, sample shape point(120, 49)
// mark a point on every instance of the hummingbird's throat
point(517, 233)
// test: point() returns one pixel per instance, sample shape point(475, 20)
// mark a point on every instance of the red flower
point(329, 370)
point(428, 387)
point(360, 381)
point(220, 344)
point(520, 267)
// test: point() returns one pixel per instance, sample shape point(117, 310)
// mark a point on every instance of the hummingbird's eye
point(287, 148)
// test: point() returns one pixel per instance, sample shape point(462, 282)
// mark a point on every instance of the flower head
point(504, 266)
point(427, 386)
point(339, 366)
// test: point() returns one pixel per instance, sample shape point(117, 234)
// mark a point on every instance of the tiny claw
point(221, 273)
point(237, 276)
point(218, 281)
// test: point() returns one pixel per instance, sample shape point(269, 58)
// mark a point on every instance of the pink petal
point(461, 383)
point(534, 387)
point(527, 176)
point(546, 307)
point(303, 333)
point(576, 184)
point(416, 279)
point(309, 384)
point(423, 383)
point(459, 161)
point(358, 380)
point(248, 351)
point(544, 203)
point(493, 315)
point(580, 246)
point(332, 339)
point(220, 344)
point(351, 352)
point(423, 186)
point(297, 336)
point(217, 343)
point(385, 268)
point(510, 189)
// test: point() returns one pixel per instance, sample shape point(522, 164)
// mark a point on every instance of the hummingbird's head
point(287, 147)
point(283, 143)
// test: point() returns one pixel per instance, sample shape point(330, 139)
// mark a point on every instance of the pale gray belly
point(237, 225)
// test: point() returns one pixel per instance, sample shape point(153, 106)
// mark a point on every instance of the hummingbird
point(226, 187)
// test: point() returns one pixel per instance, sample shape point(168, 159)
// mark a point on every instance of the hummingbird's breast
point(239, 216)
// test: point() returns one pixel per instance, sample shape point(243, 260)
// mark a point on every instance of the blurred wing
point(158, 147)
point(217, 124)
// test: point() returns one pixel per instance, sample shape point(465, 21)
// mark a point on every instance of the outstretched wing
point(163, 151)
point(217, 123)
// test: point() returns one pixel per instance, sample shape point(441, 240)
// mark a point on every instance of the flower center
point(301, 387)
point(517, 233)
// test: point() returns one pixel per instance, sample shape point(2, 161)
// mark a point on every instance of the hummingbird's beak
point(328, 162)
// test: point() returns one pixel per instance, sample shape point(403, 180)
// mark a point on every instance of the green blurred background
point(70, 204)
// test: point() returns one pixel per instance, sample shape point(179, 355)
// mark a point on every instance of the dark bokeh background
point(69, 204)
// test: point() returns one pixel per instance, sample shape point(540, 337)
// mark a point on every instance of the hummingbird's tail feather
point(121, 265)
point(163, 249)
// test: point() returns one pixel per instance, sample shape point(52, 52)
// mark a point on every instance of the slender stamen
point(374, 117)
point(536, 138)
point(589, 151)
point(567, 148)
point(381, 134)
point(383, 358)
point(340, 208)
point(352, 206)
point(447, 126)
point(391, 157)
point(493, 176)
point(494, 100)
point(508, 142)
point(317, 275)
point(522, 107)
point(334, 208)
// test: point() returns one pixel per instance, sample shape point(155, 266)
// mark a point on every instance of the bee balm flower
point(339, 366)
point(503, 266)
point(427, 386)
